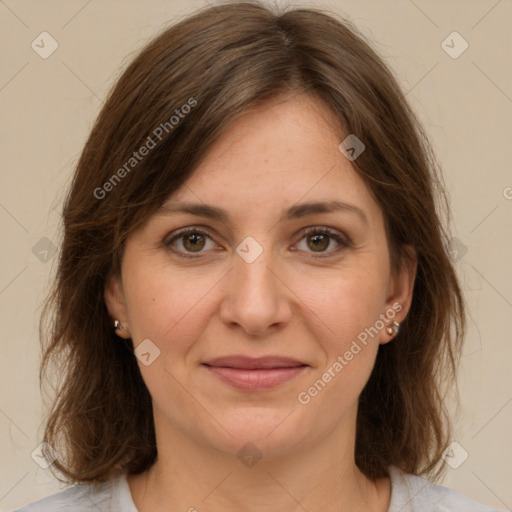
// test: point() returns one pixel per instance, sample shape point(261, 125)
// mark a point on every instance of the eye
point(318, 239)
point(192, 240)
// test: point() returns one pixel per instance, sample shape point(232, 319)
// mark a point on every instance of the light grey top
point(409, 493)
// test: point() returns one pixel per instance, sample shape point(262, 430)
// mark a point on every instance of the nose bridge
point(256, 274)
point(253, 267)
point(255, 298)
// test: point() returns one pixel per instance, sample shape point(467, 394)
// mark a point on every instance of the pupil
point(192, 241)
point(317, 241)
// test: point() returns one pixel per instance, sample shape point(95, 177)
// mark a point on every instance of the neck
point(189, 476)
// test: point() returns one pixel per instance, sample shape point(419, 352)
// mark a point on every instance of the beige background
point(48, 107)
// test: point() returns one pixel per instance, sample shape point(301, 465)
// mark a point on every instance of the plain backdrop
point(48, 106)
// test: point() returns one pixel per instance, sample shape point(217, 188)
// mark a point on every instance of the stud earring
point(118, 326)
point(393, 330)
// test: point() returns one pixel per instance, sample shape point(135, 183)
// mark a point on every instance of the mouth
point(254, 363)
point(253, 374)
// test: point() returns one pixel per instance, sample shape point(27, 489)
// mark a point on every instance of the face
point(268, 277)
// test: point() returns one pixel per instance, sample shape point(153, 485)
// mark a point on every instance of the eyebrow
point(294, 212)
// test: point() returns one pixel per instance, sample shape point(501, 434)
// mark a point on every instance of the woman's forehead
point(280, 152)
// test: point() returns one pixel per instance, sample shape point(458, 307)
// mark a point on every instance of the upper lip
point(252, 363)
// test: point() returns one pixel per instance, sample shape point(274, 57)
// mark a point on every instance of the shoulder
point(80, 497)
point(410, 493)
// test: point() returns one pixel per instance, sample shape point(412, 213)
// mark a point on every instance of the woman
point(254, 307)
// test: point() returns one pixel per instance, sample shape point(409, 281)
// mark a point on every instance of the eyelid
point(341, 238)
point(179, 233)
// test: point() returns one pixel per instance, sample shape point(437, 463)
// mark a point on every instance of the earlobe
point(393, 329)
point(114, 300)
point(400, 294)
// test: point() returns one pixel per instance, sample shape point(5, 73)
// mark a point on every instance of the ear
point(400, 291)
point(116, 305)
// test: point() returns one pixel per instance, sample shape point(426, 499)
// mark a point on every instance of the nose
point(255, 295)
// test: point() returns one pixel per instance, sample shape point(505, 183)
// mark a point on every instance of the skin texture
point(296, 299)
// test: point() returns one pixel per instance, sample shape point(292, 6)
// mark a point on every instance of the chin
point(260, 432)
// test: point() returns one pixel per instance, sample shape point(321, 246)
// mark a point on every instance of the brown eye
point(318, 240)
point(189, 241)
point(193, 242)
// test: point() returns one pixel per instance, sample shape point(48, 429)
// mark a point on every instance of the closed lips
point(261, 363)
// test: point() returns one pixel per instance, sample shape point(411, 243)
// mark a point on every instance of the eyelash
point(323, 230)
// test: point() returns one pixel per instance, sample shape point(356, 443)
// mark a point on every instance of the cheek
point(345, 302)
point(349, 341)
point(165, 304)
point(348, 308)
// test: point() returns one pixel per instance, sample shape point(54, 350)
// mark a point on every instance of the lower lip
point(255, 379)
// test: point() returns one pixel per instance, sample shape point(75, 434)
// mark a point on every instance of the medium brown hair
point(226, 60)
